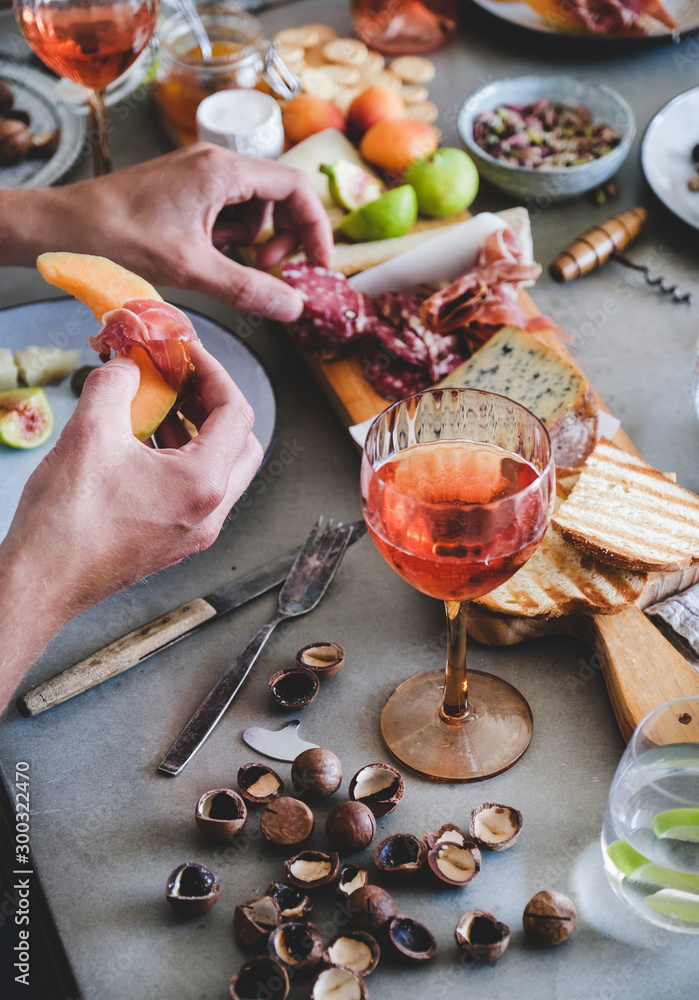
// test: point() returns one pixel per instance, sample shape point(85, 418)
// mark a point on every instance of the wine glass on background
point(91, 43)
point(457, 491)
point(650, 836)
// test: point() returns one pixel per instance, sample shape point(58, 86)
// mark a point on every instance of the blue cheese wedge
point(515, 364)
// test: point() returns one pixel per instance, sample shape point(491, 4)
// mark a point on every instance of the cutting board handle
point(117, 657)
point(641, 668)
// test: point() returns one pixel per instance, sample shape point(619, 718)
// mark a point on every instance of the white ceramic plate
point(666, 155)
point(33, 92)
point(685, 13)
point(67, 324)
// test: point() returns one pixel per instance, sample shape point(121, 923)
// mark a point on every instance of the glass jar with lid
point(241, 59)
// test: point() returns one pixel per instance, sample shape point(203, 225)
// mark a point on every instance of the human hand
point(167, 219)
point(103, 510)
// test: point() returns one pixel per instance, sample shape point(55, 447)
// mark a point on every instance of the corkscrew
point(605, 241)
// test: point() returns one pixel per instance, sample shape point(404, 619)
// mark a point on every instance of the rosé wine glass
point(91, 43)
point(457, 491)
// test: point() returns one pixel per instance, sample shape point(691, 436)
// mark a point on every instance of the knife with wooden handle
point(157, 635)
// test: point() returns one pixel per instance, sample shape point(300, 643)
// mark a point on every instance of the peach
point(305, 115)
point(375, 104)
point(393, 145)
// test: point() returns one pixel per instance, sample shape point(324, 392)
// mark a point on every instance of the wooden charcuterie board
point(640, 667)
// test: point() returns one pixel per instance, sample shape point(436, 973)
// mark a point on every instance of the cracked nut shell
point(481, 936)
point(221, 814)
point(495, 827)
point(7, 98)
point(355, 950)
point(325, 659)
point(254, 920)
point(350, 826)
point(549, 918)
point(294, 905)
point(410, 939)
point(15, 139)
point(44, 144)
point(192, 889)
point(371, 909)
point(447, 834)
point(311, 869)
point(259, 784)
point(337, 982)
point(378, 786)
point(297, 946)
point(286, 822)
point(351, 878)
point(316, 773)
point(400, 856)
point(260, 977)
point(457, 865)
point(294, 689)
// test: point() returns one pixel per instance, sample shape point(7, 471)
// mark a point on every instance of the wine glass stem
point(101, 157)
point(455, 705)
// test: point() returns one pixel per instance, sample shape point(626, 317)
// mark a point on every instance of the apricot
point(103, 285)
point(393, 145)
point(375, 104)
point(98, 282)
point(305, 115)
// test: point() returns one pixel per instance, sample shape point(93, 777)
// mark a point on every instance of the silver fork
point(307, 581)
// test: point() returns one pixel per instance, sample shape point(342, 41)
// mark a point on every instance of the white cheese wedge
point(8, 370)
point(39, 365)
point(515, 364)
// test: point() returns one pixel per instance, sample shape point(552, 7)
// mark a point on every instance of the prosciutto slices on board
point(408, 342)
point(162, 330)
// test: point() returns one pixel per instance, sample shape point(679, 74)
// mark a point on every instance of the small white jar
point(246, 121)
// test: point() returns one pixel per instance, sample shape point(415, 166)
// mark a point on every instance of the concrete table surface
point(106, 830)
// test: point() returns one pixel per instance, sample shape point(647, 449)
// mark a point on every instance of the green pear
point(26, 420)
point(445, 182)
point(393, 214)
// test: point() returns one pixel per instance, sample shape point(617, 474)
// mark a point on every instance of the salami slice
point(334, 313)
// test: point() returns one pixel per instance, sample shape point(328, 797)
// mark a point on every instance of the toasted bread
point(626, 513)
point(559, 580)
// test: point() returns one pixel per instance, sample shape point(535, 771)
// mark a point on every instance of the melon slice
point(154, 399)
point(103, 285)
point(98, 282)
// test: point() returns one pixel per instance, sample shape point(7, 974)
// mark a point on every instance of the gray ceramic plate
point(67, 324)
point(33, 92)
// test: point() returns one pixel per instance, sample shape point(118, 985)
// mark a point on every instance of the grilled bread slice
point(559, 580)
point(626, 513)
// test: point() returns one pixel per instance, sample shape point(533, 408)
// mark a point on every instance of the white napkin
point(678, 619)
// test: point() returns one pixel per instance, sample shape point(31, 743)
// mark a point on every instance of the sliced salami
point(334, 313)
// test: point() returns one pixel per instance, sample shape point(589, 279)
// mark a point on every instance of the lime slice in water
point(639, 869)
point(672, 903)
point(677, 824)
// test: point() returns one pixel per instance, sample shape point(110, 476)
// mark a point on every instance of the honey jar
point(241, 57)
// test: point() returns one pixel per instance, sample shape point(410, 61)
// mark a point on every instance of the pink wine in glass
point(435, 514)
point(89, 43)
